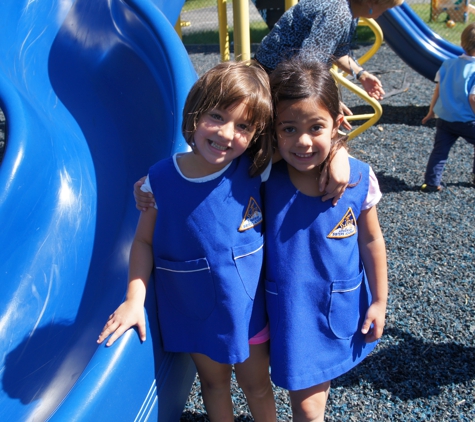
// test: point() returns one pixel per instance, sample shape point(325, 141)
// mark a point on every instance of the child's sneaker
point(429, 188)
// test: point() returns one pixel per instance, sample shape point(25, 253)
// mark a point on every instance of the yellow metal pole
point(178, 27)
point(289, 4)
point(242, 38)
point(223, 31)
point(378, 34)
point(371, 118)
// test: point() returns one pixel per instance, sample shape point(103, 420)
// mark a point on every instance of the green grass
point(439, 26)
point(198, 4)
point(258, 31)
point(363, 33)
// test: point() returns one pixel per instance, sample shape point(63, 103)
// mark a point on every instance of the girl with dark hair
point(326, 271)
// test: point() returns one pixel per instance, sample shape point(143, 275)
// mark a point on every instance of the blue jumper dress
point(208, 252)
point(316, 289)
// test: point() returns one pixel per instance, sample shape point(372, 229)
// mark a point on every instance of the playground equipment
point(242, 51)
point(413, 41)
point(457, 10)
point(371, 118)
point(92, 91)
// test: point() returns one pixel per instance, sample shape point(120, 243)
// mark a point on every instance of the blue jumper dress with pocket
point(316, 289)
point(208, 256)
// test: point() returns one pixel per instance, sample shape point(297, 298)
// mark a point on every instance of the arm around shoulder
point(334, 179)
point(143, 200)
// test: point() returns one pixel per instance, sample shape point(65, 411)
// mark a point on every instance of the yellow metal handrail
point(378, 33)
point(242, 52)
point(371, 118)
point(290, 3)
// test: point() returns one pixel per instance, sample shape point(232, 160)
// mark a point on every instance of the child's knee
point(307, 414)
point(257, 388)
point(309, 405)
point(312, 410)
point(216, 384)
point(256, 384)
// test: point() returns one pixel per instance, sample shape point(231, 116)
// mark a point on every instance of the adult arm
point(371, 84)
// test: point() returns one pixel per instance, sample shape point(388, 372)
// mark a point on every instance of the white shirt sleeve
point(374, 193)
point(266, 173)
point(146, 187)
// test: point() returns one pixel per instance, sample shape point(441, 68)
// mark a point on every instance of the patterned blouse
point(315, 29)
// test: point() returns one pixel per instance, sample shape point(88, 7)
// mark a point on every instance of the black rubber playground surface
point(424, 367)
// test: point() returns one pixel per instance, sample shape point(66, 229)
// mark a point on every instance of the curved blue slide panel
point(92, 91)
point(412, 40)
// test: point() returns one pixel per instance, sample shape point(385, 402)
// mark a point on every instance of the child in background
point(326, 270)
point(453, 103)
point(204, 241)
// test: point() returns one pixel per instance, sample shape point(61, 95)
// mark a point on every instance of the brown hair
point(222, 87)
point(468, 39)
point(297, 80)
point(386, 3)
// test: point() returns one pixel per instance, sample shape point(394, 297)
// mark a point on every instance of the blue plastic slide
point(412, 40)
point(92, 91)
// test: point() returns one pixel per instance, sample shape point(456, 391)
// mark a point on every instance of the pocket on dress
point(188, 285)
point(248, 260)
point(345, 306)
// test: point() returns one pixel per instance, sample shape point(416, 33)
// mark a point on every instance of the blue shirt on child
point(456, 79)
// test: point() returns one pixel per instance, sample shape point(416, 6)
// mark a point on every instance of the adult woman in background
point(322, 30)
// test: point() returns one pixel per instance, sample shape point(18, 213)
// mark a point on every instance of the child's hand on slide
point(127, 315)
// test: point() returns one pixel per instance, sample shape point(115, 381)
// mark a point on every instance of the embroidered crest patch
point(253, 216)
point(345, 228)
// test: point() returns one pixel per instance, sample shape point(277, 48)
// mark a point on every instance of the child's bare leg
point(253, 377)
point(308, 405)
point(215, 379)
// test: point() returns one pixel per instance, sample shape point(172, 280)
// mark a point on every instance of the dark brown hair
point(224, 86)
point(294, 80)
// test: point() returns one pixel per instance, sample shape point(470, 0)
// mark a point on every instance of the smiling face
point(304, 133)
point(222, 134)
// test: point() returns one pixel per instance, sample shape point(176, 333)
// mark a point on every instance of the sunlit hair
point(225, 86)
point(385, 3)
point(468, 39)
point(295, 80)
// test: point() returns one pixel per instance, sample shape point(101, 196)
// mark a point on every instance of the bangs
point(250, 92)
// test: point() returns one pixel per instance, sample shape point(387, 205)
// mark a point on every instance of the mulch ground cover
point(424, 367)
